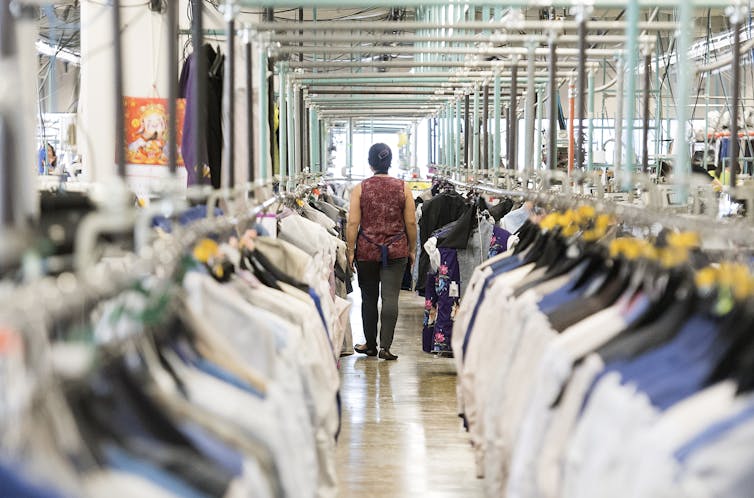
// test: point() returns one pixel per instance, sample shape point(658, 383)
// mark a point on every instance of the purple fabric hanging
point(186, 91)
point(430, 313)
point(448, 290)
point(499, 241)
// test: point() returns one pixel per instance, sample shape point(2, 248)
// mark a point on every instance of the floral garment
point(441, 303)
point(430, 313)
point(499, 241)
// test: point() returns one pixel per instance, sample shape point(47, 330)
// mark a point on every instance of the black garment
point(115, 410)
point(408, 278)
point(66, 210)
point(631, 345)
point(748, 147)
point(213, 113)
point(700, 170)
point(459, 231)
point(436, 213)
point(501, 209)
point(278, 274)
point(571, 313)
point(377, 281)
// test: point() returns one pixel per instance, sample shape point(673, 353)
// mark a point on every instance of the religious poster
point(147, 130)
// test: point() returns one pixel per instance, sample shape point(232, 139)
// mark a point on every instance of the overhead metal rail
point(363, 36)
point(522, 25)
point(411, 64)
point(478, 50)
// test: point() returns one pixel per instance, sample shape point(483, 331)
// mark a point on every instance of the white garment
point(553, 372)
point(564, 419)
point(507, 403)
point(230, 313)
point(318, 216)
point(433, 252)
point(321, 379)
point(233, 406)
point(478, 365)
point(721, 468)
point(610, 418)
point(649, 458)
point(116, 484)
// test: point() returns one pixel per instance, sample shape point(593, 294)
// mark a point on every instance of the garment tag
point(270, 223)
point(453, 290)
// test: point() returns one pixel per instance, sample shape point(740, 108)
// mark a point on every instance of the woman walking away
point(381, 237)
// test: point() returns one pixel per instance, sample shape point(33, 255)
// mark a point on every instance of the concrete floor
point(401, 436)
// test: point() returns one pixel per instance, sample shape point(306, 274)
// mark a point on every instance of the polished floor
point(401, 436)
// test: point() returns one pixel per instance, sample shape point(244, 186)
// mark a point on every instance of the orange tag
point(10, 342)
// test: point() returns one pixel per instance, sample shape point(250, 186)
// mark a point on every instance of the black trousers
point(375, 282)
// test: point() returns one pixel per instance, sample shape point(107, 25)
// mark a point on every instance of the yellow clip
point(707, 278)
point(671, 257)
point(205, 249)
point(632, 249)
point(688, 240)
point(618, 247)
point(299, 203)
point(549, 222)
point(570, 230)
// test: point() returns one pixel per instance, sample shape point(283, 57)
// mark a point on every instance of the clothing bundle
point(589, 368)
point(317, 227)
point(219, 379)
point(452, 253)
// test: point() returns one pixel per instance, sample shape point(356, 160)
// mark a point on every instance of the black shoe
point(387, 355)
point(364, 349)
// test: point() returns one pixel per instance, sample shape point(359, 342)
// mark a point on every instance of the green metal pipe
point(659, 135)
point(590, 119)
point(538, 132)
point(685, 75)
point(477, 145)
point(451, 138)
point(419, 97)
point(418, 80)
point(457, 135)
point(264, 119)
point(349, 147)
point(632, 58)
point(510, 3)
point(283, 126)
point(291, 129)
point(448, 137)
point(445, 30)
point(496, 106)
point(311, 141)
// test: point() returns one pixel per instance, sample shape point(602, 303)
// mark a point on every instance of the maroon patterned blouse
point(382, 201)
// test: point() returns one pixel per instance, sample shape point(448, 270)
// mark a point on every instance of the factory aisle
point(400, 435)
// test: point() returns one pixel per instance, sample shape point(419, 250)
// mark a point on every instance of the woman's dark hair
point(380, 157)
point(53, 161)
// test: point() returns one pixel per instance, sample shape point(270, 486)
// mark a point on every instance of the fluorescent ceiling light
point(50, 51)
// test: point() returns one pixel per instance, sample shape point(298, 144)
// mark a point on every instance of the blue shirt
point(225, 456)
point(498, 268)
point(714, 432)
point(677, 369)
point(123, 461)
point(13, 484)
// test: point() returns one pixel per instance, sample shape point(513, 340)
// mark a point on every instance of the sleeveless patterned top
point(382, 201)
